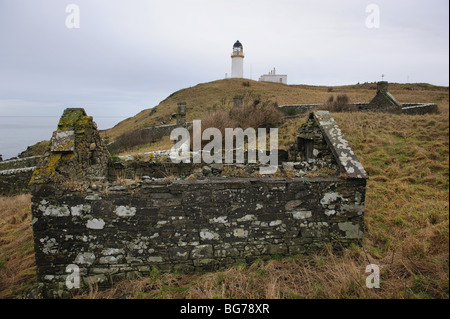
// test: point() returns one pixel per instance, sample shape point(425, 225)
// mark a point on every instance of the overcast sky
point(128, 55)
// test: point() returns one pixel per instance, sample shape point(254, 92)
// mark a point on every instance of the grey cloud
point(138, 52)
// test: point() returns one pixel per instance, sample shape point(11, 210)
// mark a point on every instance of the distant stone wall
point(159, 132)
point(406, 108)
point(419, 108)
point(15, 175)
point(20, 163)
point(15, 181)
point(299, 109)
point(164, 130)
point(112, 232)
point(386, 103)
point(150, 134)
point(294, 109)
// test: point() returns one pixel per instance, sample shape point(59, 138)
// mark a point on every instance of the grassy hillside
point(406, 226)
point(218, 95)
point(406, 217)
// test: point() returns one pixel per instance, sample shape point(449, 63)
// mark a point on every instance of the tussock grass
point(17, 265)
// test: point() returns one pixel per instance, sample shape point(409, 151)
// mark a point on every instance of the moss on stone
point(74, 119)
point(46, 171)
point(59, 166)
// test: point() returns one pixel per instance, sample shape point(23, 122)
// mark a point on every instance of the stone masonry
point(97, 228)
point(383, 101)
point(15, 175)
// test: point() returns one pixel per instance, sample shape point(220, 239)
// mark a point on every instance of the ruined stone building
point(100, 221)
point(383, 101)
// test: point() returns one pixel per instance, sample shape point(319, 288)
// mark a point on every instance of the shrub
point(340, 104)
point(256, 114)
point(252, 114)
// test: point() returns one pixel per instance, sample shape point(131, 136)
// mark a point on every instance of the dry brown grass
point(406, 219)
point(322, 276)
point(406, 225)
point(17, 265)
point(218, 95)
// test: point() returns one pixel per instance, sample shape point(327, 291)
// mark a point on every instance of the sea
point(19, 132)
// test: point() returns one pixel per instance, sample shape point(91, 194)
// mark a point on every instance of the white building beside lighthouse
point(237, 61)
point(273, 77)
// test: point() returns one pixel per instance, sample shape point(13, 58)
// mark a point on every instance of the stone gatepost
point(237, 101)
point(181, 115)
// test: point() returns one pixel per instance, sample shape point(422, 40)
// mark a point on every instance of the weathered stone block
point(63, 141)
point(202, 251)
point(272, 249)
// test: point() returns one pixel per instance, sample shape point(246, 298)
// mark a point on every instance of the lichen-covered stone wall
point(98, 221)
point(419, 108)
point(299, 109)
point(15, 181)
point(31, 161)
point(76, 151)
point(112, 232)
point(15, 175)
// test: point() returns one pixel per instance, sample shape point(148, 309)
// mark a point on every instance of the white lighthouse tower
point(237, 61)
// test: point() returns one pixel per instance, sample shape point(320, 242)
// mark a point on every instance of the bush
point(340, 104)
point(252, 114)
point(256, 114)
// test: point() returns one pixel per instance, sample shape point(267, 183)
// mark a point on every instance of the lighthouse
point(237, 60)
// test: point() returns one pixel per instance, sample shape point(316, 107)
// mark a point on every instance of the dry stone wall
point(15, 175)
point(93, 224)
point(419, 108)
point(187, 226)
point(31, 161)
point(15, 181)
point(383, 101)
